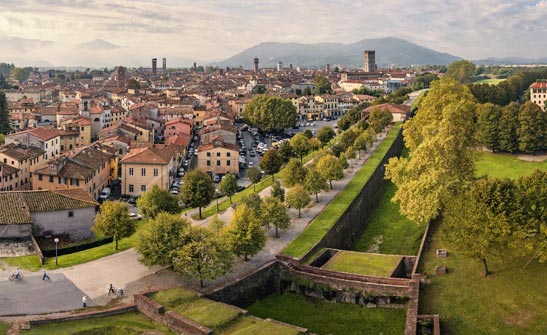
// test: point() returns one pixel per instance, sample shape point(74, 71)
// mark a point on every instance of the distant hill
point(509, 61)
point(389, 51)
point(99, 44)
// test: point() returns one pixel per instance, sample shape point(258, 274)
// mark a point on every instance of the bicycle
point(13, 276)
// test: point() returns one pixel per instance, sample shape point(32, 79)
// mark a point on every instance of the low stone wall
point(173, 320)
point(37, 249)
point(435, 320)
point(243, 292)
point(86, 315)
point(412, 306)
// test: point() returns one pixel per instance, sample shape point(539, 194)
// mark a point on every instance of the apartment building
point(25, 160)
point(538, 93)
point(218, 157)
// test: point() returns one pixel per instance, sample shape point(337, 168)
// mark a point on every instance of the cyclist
point(17, 274)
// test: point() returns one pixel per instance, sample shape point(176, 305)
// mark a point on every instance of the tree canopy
point(294, 172)
point(244, 234)
point(462, 71)
point(270, 113)
point(254, 174)
point(113, 220)
point(271, 163)
point(198, 189)
point(156, 200)
point(325, 134)
point(322, 85)
point(331, 169)
point(298, 198)
point(5, 126)
point(274, 213)
point(228, 185)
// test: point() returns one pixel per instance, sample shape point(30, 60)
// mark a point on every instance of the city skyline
point(207, 31)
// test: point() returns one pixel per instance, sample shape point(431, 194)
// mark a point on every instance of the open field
point(362, 263)
point(330, 215)
point(250, 325)
point(127, 324)
point(489, 81)
point(322, 317)
point(505, 166)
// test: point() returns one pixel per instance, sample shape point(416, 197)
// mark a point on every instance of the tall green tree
point(298, 198)
point(489, 125)
point(270, 113)
point(331, 169)
point(322, 85)
point(278, 191)
point(325, 134)
point(440, 138)
point(285, 151)
point(198, 189)
point(5, 126)
point(133, 84)
point(274, 213)
point(228, 185)
point(300, 145)
point(379, 118)
point(157, 200)
point(160, 237)
point(461, 71)
point(271, 163)
point(113, 220)
point(244, 234)
point(508, 124)
point(315, 182)
point(253, 202)
point(364, 141)
point(531, 128)
point(204, 256)
point(294, 172)
point(254, 175)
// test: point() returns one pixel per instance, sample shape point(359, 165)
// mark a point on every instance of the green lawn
point(322, 317)
point(510, 302)
point(250, 325)
point(126, 324)
point(505, 166)
point(317, 229)
point(363, 263)
point(204, 311)
point(4, 328)
point(489, 81)
point(388, 232)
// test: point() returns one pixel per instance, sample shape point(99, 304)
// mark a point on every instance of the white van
point(105, 193)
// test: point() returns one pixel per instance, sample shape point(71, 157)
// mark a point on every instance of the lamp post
point(216, 196)
point(56, 240)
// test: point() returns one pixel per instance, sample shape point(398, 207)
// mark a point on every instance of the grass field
point(505, 166)
point(322, 317)
point(388, 232)
point(4, 328)
point(250, 325)
point(489, 81)
point(127, 324)
point(330, 215)
point(363, 263)
point(204, 311)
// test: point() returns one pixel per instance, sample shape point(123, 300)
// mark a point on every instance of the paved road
point(32, 295)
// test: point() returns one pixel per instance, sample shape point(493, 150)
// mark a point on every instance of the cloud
point(216, 29)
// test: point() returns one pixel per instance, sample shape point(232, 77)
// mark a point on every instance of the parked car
point(105, 193)
point(251, 164)
point(133, 200)
point(175, 192)
point(135, 216)
point(216, 178)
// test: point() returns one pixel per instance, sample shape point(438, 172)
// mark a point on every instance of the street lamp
point(216, 196)
point(56, 240)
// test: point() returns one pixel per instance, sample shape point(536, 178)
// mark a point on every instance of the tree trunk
point(273, 179)
point(245, 258)
point(330, 182)
point(230, 197)
point(201, 282)
point(316, 198)
point(116, 240)
point(254, 187)
point(485, 271)
point(299, 216)
point(276, 232)
point(200, 212)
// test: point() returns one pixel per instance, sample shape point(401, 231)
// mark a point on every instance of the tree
point(479, 221)
point(307, 91)
point(294, 172)
point(343, 161)
point(228, 185)
point(113, 220)
point(133, 84)
point(298, 198)
point(440, 138)
point(322, 85)
point(488, 123)
point(216, 224)
point(260, 89)
point(461, 71)
point(278, 191)
point(5, 127)
point(160, 237)
point(244, 234)
point(531, 128)
point(315, 182)
point(157, 200)
point(274, 213)
point(508, 124)
point(423, 81)
point(379, 119)
point(198, 189)
point(350, 154)
point(270, 113)
point(254, 174)
point(253, 202)
point(285, 151)
point(364, 141)
point(331, 169)
point(325, 134)
point(271, 163)
point(205, 256)
point(300, 145)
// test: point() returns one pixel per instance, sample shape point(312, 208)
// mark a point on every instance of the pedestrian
point(111, 289)
point(45, 276)
point(84, 301)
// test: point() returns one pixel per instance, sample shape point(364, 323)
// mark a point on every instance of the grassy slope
point(365, 264)
point(128, 323)
point(489, 81)
point(511, 302)
point(250, 325)
point(330, 215)
point(322, 317)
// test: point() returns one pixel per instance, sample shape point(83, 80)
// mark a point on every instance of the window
point(228, 154)
point(131, 189)
point(143, 172)
point(155, 172)
point(130, 171)
point(208, 163)
point(143, 188)
point(208, 154)
point(227, 163)
point(51, 179)
point(70, 214)
point(218, 163)
point(40, 177)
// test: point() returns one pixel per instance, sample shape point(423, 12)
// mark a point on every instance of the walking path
point(68, 285)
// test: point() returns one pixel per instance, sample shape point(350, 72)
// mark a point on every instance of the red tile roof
point(539, 84)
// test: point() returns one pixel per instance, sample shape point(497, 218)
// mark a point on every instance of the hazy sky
point(213, 29)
